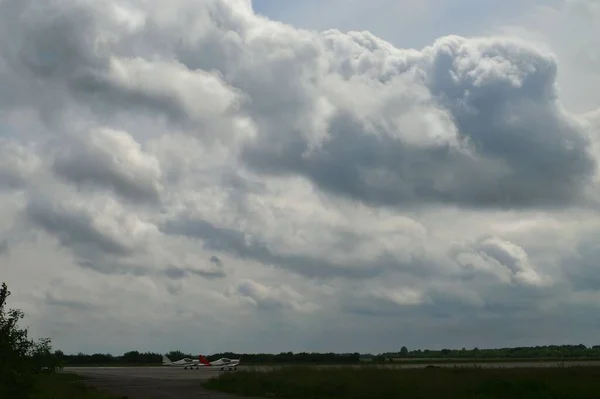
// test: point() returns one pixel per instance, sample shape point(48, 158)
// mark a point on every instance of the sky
point(340, 175)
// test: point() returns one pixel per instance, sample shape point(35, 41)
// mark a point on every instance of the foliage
point(404, 352)
point(579, 351)
point(20, 357)
point(378, 382)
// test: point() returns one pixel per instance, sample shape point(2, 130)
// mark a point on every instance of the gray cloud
point(74, 229)
point(216, 261)
point(213, 271)
point(113, 160)
point(111, 265)
point(72, 305)
point(581, 266)
point(508, 262)
point(271, 298)
point(17, 164)
point(237, 243)
point(107, 240)
point(493, 101)
point(210, 274)
point(323, 182)
point(514, 145)
point(486, 293)
point(3, 247)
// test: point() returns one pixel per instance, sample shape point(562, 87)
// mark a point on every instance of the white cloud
point(570, 30)
point(509, 262)
point(196, 167)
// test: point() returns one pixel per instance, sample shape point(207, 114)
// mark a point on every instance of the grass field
point(493, 360)
point(447, 383)
point(66, 386)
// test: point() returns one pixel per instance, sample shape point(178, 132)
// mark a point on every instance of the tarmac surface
point(175, 382)
point(150, 382)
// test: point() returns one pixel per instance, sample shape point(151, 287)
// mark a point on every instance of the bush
point(20, 357)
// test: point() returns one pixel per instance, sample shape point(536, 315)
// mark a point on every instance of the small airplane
point(185, 362)
point(222, 363)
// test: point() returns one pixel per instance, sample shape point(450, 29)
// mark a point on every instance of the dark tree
point(20, 357)
point(404, 351)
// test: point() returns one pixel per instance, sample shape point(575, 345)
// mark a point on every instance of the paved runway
point(150, 382)
point(161, 373)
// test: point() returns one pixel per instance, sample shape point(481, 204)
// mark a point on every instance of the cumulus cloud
point(477, 108)
point(385, 302)
point(112, 159)
point(212, 271)
point(503, 259)
point(201, 153)
point(548, 25)
point(269, 298)
point(248, 246)
point(17, 164)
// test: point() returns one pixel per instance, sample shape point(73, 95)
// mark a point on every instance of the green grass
point(66, 386)
point(447, 383)
point(492, 360)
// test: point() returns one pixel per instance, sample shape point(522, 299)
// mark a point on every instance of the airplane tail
point(203, 360)
point(166, 360)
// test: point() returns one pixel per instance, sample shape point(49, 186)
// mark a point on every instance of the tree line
point(136, 357)
point(21, 358)
point(532, 352)
point(536, 352)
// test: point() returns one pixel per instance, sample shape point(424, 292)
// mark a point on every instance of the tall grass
point(434, 383)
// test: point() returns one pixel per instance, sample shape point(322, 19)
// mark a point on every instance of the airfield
point(172, 382)
point(150, 382)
